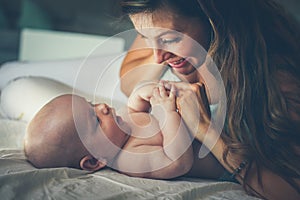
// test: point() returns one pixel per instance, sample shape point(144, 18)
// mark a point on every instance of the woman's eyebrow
point(168, 32)
point(161, 34)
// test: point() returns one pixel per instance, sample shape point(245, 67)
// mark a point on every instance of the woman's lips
point(178, 64)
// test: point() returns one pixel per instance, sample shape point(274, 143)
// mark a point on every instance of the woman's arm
point(272, 185)
point(138, 66)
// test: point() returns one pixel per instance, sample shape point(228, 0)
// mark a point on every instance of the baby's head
point(52, 138)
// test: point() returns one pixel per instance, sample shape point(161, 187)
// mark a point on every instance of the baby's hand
point(163, 98)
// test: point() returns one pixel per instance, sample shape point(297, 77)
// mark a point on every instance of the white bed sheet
point(20, 180)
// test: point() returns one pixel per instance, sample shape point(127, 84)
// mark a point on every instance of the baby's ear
point(90, 163)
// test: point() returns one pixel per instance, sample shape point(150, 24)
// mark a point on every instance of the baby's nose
point(102, 107)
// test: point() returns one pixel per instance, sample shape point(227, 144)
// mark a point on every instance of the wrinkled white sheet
point(20, 180)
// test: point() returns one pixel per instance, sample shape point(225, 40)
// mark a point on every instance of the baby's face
point(102, 132)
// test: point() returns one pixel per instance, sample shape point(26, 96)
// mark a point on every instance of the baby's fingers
point(162, 91)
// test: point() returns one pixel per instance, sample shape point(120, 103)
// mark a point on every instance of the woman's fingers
point(203, 100)
point(179, 85)
point(172, 93)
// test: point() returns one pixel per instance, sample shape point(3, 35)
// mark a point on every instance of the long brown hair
point(255, 44)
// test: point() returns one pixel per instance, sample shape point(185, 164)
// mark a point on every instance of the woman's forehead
point(150, 20)
point(156, 23)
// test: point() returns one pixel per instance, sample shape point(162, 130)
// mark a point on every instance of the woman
point(255, 45)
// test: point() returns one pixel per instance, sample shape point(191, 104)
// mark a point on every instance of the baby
point(71, 132)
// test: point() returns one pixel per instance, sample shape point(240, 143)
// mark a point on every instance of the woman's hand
point(192, 104)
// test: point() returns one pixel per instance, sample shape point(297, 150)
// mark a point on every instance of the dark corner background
point(99, 17)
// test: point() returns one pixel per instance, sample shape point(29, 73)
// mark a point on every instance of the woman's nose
point(161, 55)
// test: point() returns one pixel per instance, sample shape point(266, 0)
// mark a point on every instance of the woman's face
point(177, 41)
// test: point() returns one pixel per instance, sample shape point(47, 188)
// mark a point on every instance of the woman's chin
point(184, 71)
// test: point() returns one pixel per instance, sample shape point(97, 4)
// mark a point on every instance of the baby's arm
point(176, 138)
point(139, 100)
point(176, 154)
point(169, 158)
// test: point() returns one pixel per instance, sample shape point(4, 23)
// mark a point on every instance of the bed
point(26, 86)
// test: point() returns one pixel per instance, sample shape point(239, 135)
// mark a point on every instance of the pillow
point(24, 96)
point(27, 86)
point(65, 71)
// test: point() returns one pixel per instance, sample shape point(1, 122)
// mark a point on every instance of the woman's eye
point(170, 41)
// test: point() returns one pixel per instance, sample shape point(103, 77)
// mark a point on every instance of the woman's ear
point(90, 163)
